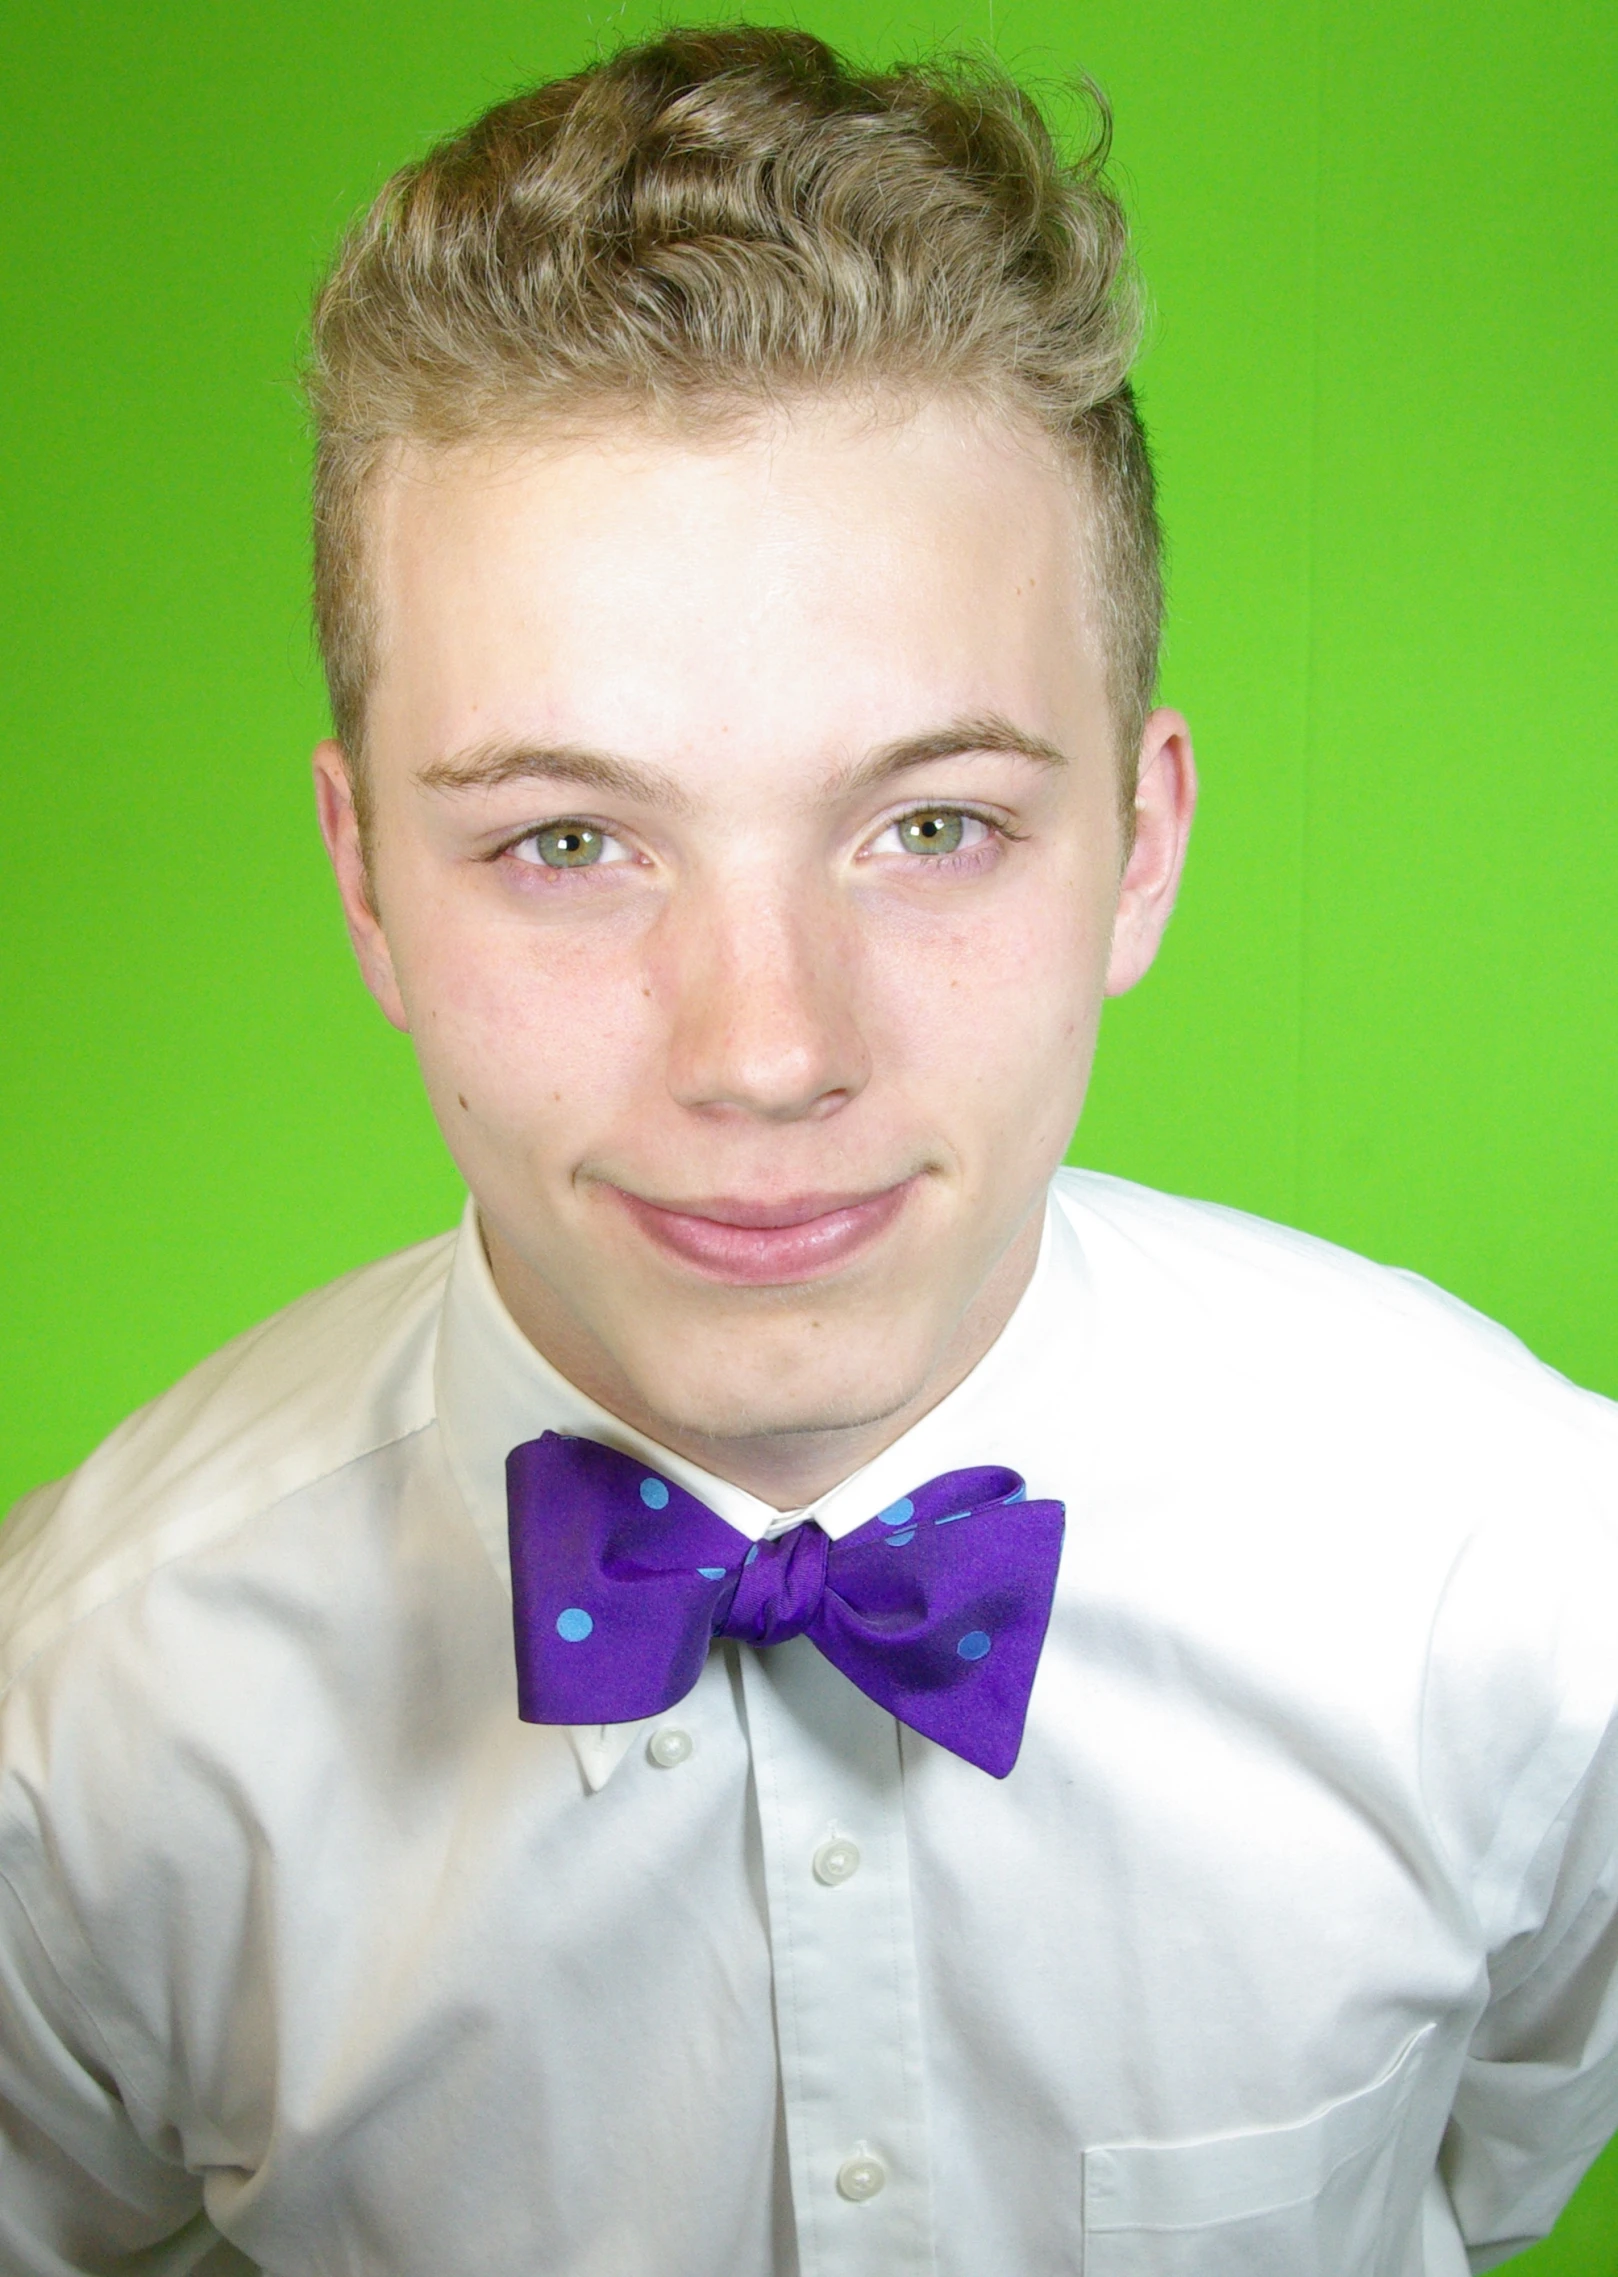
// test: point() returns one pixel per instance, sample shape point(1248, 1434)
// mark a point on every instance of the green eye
point(938, 833)
point(568, 845)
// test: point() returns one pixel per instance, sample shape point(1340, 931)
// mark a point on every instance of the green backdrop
point(1381, 242)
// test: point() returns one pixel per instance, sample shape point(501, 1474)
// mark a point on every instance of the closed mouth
point(773, 1242)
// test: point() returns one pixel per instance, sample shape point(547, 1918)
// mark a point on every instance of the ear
point(340, 828)
point(1165, 801)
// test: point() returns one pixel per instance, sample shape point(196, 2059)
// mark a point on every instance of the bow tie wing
point(615, 1574)
point(941, 1618)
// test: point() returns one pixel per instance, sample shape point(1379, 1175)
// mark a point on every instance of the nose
point(763, 989)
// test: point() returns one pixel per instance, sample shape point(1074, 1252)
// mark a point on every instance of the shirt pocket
point(1326, 2197)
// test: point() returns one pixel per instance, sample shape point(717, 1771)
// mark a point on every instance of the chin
point(720, 1393)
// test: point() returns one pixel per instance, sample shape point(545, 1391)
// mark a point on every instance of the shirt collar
point(494, 1390)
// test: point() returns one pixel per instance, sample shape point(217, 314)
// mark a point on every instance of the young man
point(586, 1748)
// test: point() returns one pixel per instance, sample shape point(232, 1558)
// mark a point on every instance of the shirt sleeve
point(1538, 2097)
point(81, 2195)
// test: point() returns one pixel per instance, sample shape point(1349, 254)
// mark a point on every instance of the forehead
point(818, 579)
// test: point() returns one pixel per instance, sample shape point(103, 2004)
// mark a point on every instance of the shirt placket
point(837, 1884)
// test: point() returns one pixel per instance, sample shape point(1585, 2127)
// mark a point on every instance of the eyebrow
point(957, 739)
point(487, 766)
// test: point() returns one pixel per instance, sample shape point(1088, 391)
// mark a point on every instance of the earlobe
point(339, 827)
point(1165, 803)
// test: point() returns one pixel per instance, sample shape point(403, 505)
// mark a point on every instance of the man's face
point(747, 867)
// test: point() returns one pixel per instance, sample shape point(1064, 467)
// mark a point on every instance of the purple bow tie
point(936, 1608)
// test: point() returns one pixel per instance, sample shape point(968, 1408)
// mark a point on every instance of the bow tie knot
point(779, 1588)
point(936, 1608)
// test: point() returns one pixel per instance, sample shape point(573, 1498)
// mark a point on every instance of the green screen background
point(1381, 243)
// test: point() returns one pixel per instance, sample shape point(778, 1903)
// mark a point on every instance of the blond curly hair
point(714, 220)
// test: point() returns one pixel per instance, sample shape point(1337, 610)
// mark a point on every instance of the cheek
point(528, 1025)
point(1001, 997)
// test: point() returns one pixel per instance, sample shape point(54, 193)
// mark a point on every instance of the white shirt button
point(861, 2177)
point(837, 1861)
point(669, 1746)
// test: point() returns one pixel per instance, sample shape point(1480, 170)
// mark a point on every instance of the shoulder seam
point(187, 1549)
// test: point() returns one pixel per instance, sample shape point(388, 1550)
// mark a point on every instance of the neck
point(785, 1468)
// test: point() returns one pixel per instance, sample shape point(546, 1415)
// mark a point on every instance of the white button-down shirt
point(1287, 1950)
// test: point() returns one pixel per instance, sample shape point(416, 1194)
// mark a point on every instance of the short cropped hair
point(722, 219)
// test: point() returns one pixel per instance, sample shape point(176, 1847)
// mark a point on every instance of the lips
point(759, 1244)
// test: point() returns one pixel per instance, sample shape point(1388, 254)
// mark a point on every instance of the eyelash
point(996, 826)
point(970, 858)
point(536, 830)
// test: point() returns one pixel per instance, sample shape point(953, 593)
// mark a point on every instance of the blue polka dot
point(711, 1572)
point(898, 1541)
point(951, 1518)
point(974, 1644)
point(751, 1555)
point(897, 1513)
point(654, 1493)
point(574, 1625)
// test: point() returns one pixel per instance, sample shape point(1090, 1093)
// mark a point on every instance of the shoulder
point(1292, 1315)
point(1371, 1491)
point(1319, 1407)
point(336, 1376)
